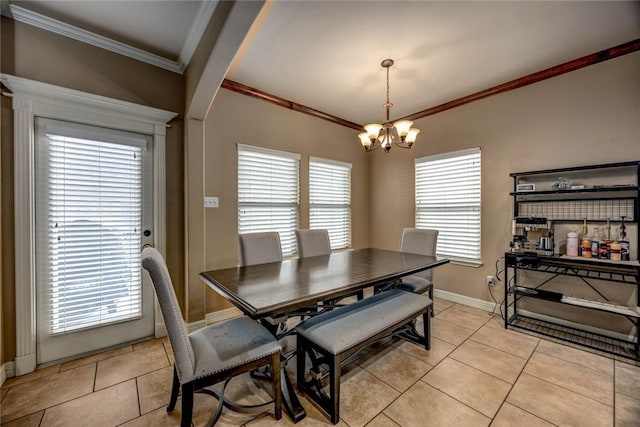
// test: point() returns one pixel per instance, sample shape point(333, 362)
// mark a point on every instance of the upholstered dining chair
point(422, 242)
point(313, 242)
point(212, 354)
point(259, 248)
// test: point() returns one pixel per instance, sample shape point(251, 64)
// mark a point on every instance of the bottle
point(572, 244)
point(595, 242)
point(624, 243)
point(615, 251)
point(583, 234)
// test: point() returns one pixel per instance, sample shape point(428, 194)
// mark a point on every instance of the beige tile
point(203, 407)
point(397, 368)
point(558, 405)
point(95, 357)
point(442, 410)
point(507, 340)
point(480, 391)
point(489, 360)
point(37, 374)
point(313, 418)
point(509, 416)
point(154, 389)
point(472, 310)
point(382, 421)
point(585, 381)
point(108, 407)
point(130, 365)
point(158, 418)
point(463, 318)
point(32, 420)
point(363, 396)
point(149, 343)
point(439, 305)
point(439, 350)
point(576, 356)
point(449, 332)
point(627, 411)
point(169, 351)
point(627, 379)
point(47, 391)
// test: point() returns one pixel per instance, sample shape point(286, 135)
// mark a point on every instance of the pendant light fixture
point(386, 135)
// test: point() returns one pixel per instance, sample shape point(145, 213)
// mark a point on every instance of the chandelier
point(387, 134)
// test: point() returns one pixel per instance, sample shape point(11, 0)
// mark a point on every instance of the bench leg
point(334, 388)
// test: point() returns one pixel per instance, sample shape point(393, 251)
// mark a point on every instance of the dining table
point(276, 289)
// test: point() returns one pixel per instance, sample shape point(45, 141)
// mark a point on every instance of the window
point(268, 193)
point(89, 210)
point(330, 199)
point(448, 199)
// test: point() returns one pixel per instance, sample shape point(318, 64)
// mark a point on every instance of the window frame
point(287, 234)
point(344, 237)
point(30, 99)
point(472, 183)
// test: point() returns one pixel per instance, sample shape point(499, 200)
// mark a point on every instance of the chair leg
point(175, 389)
point(277, 387)
point(187, 405)
point(432, 302)
point(426, 323)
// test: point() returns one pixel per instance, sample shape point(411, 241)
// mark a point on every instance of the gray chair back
point(420, 241)
point(313, 243)
point(259, 248)
point(154, 263)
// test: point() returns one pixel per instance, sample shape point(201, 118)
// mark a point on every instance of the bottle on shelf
point(595, 242)
point(581, 238)
point(572, 244)
point(624, 243)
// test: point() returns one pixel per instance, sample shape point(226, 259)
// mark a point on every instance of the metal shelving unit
point(610, 190)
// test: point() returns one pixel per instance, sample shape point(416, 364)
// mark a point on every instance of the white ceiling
point(327, 54)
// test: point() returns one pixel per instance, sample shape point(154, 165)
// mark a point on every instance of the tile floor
point(476, 374)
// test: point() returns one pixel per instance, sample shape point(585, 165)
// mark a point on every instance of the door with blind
point(93, 214)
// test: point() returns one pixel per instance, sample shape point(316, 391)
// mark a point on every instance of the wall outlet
point(490, 281)
point(210, 202)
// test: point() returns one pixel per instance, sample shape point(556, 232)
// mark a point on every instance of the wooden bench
point(330, 338)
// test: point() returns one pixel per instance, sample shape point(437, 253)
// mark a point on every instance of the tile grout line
point(429, 385)
point(514, 384)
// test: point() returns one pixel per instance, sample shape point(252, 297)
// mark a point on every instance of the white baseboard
point(160, 330)
point(221, 315)
point(464, 300)
point(8, 371)
point(194, 326)
point(488, 306)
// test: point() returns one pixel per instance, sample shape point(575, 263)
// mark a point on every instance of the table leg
point(290, 400)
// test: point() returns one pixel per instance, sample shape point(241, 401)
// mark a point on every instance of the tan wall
point(586, 117)
point(236, 118)
point(39, 55)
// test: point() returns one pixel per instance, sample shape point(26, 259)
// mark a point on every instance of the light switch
point(210, 202)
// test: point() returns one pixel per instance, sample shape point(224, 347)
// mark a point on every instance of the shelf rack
point(610, 190)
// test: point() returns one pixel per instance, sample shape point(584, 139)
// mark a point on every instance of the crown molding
point(34, 90)
point(195, 34)
point(38, 20)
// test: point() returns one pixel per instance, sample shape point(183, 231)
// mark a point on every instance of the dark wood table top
point(279, 287)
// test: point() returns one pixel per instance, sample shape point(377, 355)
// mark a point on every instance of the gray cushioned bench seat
point(331, 337)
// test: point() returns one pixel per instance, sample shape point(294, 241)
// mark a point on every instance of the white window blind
point(330, 199)
point(89, 194)
point(268, 193)
point(448, 199)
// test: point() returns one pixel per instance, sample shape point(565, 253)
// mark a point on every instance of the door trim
point(30, 99)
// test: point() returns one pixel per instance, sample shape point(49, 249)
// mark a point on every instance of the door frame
point(30, 99)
